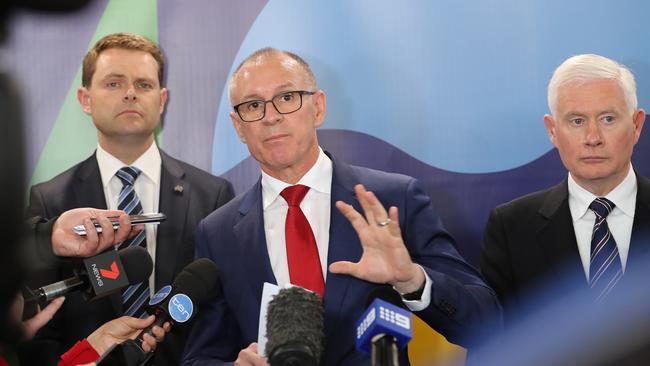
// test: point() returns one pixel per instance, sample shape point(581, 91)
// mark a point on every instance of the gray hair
point(589, 67)
point(266, 53)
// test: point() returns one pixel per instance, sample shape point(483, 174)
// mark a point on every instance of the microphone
point(175, 303)
point(100, 276)
point(294, 325)
point(384, 328)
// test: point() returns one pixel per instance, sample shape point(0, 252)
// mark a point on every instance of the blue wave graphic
point(462, 88)
point(463, 200)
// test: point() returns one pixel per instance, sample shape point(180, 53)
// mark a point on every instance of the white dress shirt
point(619, 221)
point(147, 187)
point(316, 205)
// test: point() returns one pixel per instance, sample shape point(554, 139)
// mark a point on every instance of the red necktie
point(302, 252)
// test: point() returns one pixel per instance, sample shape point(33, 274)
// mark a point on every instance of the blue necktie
point(134, 296)
point(605, 268)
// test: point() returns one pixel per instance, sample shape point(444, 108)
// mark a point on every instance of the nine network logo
point(395, 318)
point(385, 314)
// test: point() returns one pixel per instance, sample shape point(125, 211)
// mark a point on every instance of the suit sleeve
point(36, 205)
point(214, 339)
point(496, 263)
point(463, 307)
point(43, 265)
point(43, 268)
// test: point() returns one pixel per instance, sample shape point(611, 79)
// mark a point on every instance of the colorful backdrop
point(450, 92)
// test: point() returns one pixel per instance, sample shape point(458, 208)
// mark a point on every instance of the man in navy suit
point(277, 109)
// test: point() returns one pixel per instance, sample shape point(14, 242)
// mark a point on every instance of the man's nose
point(271, 114)
point(130, 95)
point(594, 134)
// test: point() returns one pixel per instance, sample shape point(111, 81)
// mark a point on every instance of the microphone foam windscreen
point(197, 279)
point(137, 263)
point(295, 317)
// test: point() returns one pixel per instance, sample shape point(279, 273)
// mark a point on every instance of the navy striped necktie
point(605, 268)
point(134, 296)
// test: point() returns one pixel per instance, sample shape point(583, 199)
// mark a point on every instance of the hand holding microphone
point(99, 276)
point(174, 304)
point(125, 328)
point(66, 243)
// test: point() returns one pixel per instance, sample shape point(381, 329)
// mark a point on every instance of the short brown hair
point(127, 41)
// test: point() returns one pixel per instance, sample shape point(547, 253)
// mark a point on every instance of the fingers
point(372, 207)
point(32, 325)
point(249, 357)
point(365, 202)
point(107, 237)
point(67, 243)
point(344, 267)
point(137, 323)
point(123, 231)
point(354, 217)
point(92, 237)
point(393, 226)
point(149, 342)
point(135, 230)
point(167, 327)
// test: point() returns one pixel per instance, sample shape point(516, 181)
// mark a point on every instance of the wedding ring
point(384, 223)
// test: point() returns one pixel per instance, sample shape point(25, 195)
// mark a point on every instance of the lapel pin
point(178, 189)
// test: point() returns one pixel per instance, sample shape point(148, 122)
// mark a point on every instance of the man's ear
point(236, 124)
point(83, 96)
point(164, 94)
point(638, 119)
point(550, 128)
point(320, 104)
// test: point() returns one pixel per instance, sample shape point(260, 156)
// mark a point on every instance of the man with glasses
point(286, 230)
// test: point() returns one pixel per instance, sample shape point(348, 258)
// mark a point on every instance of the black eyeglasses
point(284, 103)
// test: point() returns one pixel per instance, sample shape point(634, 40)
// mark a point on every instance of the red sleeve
point(81, 353)
point(3, 362)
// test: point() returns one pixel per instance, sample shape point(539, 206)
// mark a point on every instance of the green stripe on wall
point(73, 137)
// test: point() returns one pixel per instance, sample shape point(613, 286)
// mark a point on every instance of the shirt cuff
point(425, 300)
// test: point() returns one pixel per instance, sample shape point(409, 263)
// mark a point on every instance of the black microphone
point(100, 276)
point(385, 327)
point(294, 328)
point(175, 303)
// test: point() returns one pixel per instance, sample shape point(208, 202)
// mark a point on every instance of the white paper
point(268, 291)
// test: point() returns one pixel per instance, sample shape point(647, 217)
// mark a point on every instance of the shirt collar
point(317, 178)
point(149, 163)
point(623, 196)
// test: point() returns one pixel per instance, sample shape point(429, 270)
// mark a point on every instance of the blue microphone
point(384, 328)
point(175, 304)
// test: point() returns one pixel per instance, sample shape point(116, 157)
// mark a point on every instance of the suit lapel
point(556, 235)
point(343, 244)
point(88, 187)
point(175, 193)
point(250, 236)
point(640, 240)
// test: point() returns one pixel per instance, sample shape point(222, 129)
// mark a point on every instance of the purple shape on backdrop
point(463, 201)
point(200, 41)
point(44, 57)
